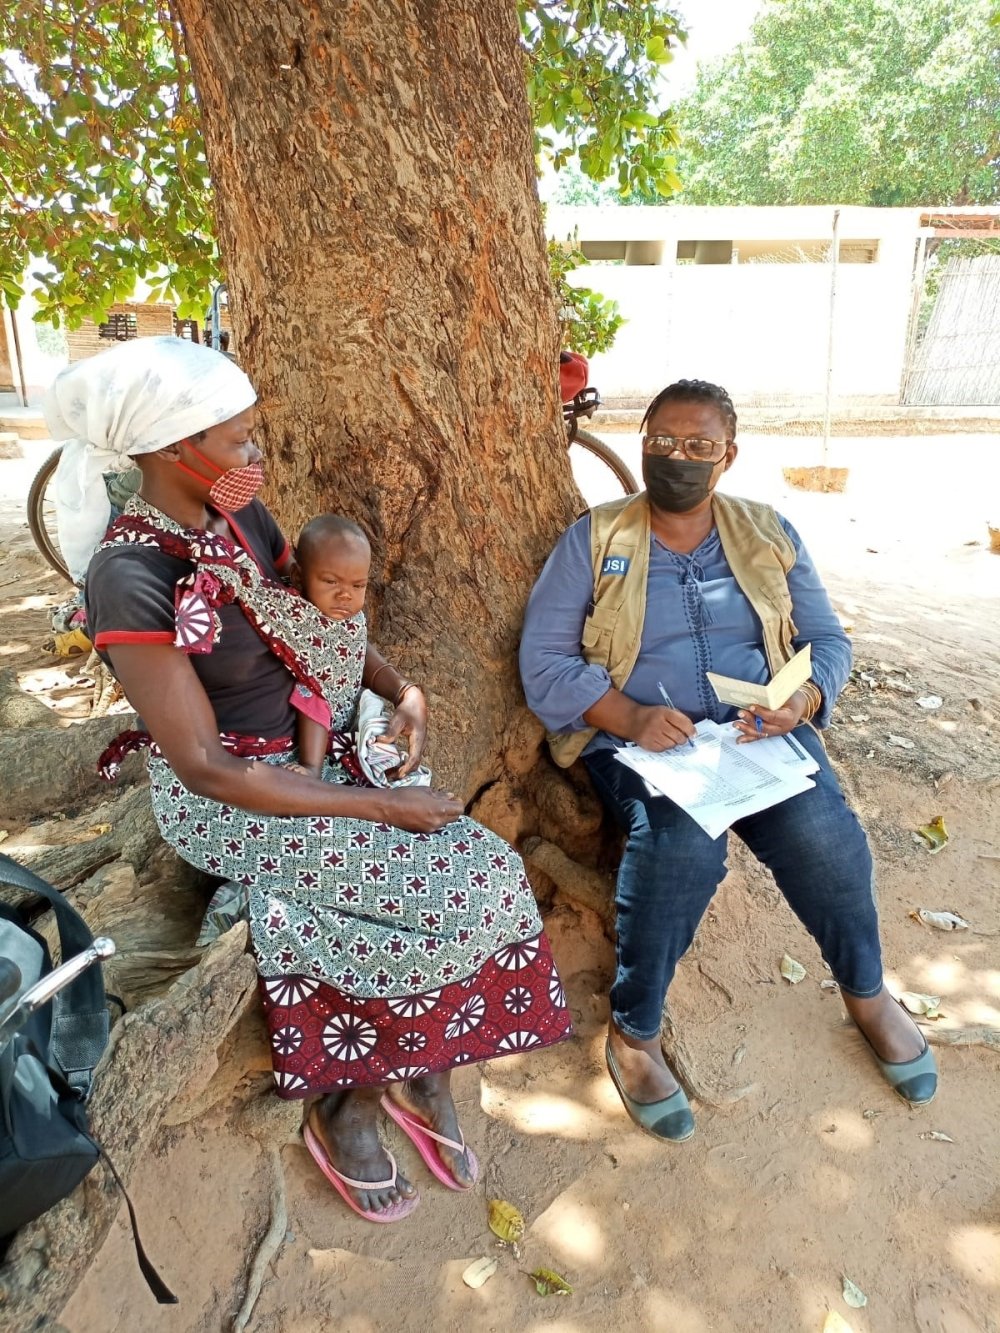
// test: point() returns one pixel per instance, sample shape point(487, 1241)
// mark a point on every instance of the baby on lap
point(333, 558)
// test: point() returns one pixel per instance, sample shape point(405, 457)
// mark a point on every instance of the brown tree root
point(682, 1063)
point(55, 768)
point(269, 1246)
point(974, 1036)
point(107, 691)
point(582, 885)
point(162, 1054)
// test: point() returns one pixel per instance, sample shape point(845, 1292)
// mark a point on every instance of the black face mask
point(676, 484)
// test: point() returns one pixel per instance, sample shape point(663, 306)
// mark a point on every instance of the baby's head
point(334, 557)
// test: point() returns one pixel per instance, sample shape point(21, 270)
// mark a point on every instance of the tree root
point(582, 885)
point(269, 1246)
point(682, 1063)
point(107, 691)
point(161, 1053)
point(975, 1036)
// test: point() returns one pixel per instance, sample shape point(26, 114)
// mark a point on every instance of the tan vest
point(757, 548)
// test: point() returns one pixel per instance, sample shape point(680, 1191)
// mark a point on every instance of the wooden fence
point(126, 321)
point(957, 361)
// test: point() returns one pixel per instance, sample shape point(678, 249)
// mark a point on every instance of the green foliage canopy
point(878, 102)
point(102, 164)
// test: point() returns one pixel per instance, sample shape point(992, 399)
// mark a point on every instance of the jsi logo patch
point(616, 564)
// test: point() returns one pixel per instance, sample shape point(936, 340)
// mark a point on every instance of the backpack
point(49, 1045)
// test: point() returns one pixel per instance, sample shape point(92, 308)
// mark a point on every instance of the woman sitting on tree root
point(394, 938)
point(638, 600)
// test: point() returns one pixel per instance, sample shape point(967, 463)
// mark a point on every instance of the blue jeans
point(812, 843)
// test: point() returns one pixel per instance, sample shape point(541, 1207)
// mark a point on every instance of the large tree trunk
point(386, 266)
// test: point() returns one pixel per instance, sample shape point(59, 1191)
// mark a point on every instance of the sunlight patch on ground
point(976, 1250)
point(572, 1231)
point(543, 1113)
point(664, 1313)
point(844, 1130)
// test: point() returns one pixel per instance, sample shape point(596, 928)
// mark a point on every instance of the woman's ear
point(170, 453)
point(292, 572)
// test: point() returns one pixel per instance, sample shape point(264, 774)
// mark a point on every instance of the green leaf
point(548, 1283)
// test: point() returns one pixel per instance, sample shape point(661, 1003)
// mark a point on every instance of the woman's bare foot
point(430, 1098)
point(346, 1123)
point(889, 1028)
point(644, 1072)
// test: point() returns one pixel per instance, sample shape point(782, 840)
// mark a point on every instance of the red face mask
point(233, 488)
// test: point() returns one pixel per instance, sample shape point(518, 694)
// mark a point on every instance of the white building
point(742, 296)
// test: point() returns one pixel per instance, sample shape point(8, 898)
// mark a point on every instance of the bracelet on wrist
point(386, 666)
point(406, 685)
point(814, 700)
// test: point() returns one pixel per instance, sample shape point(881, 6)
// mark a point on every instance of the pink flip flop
point(394, 1213)
point(424, 1138)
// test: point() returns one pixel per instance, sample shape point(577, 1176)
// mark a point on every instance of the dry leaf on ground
point(934, 834)
point(940, 920)
point(903, 742)
point(548, 1283)
point(937, 1135)
point(853, 1295)
point(791, 969)
point(924, 1006)
point(479, 1272)
point(506, 1221)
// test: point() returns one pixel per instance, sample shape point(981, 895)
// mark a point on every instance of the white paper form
point(715, 782)
point(781, 755)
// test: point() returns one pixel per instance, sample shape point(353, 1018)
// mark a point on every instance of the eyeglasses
point(694, 447)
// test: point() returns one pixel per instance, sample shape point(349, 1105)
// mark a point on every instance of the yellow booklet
point(775, 694)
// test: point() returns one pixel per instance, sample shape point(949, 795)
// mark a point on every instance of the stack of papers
point(717, 781)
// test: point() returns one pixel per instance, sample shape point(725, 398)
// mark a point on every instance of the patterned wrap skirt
point(382, 954)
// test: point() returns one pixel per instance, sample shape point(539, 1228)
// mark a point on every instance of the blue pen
point(670, 704)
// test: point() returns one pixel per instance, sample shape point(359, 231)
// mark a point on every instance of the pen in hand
point(670, 704)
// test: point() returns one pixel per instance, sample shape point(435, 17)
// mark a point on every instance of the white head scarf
point(133, 399)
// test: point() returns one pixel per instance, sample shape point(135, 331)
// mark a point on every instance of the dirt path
point(818, 1172)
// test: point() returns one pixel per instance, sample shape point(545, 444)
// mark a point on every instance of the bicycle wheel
point(42, 515)
point(609, 458)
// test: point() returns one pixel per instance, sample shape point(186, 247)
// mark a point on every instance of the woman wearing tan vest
point(639, 599)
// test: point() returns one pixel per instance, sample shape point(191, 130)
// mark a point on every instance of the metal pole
point(913, 322)
point(217, 314)
point(17, 353)
point(834, 262)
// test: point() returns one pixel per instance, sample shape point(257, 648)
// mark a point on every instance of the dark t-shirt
point(130, 599)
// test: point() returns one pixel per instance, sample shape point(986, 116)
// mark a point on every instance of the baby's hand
point(306, 772)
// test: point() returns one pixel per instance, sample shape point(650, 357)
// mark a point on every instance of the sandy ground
point(818, 1172)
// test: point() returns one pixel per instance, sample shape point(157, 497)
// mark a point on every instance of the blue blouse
point(697, 620)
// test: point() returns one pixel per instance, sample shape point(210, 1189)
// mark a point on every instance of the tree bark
point(159, 1055)
point(386, 266)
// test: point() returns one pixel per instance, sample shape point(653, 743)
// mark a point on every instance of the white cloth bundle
point(377, 756)
point(133, 399)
